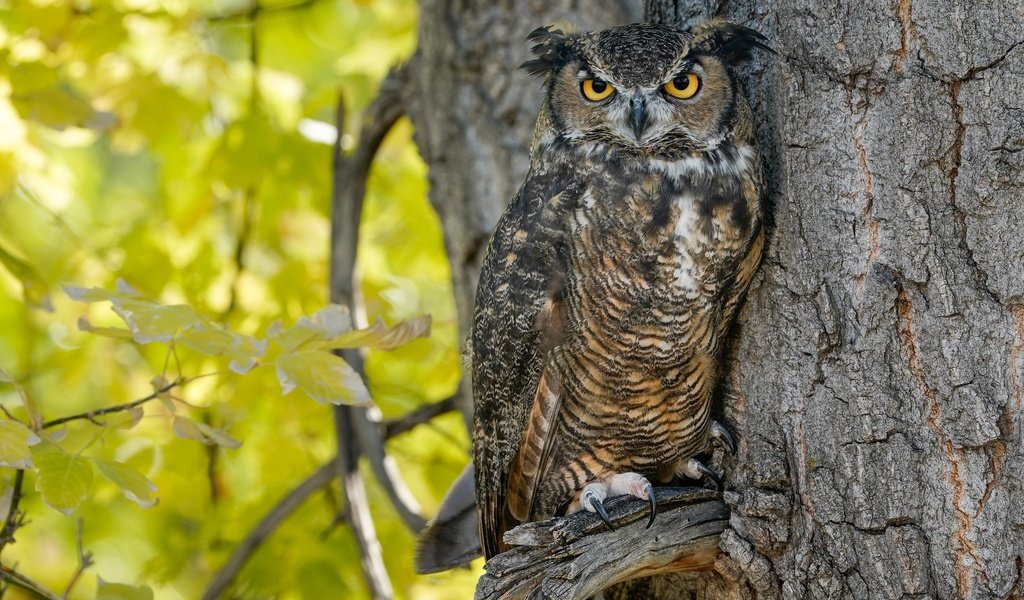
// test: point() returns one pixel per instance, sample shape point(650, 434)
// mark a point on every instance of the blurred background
point(184, 146)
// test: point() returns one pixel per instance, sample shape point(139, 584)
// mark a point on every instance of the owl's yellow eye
point(683, 86)
point(596, 90)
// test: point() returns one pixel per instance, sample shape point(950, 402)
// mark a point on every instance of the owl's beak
point(638, 116)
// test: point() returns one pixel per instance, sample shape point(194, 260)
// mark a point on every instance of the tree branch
point(92, 414)
point(270, 521)
point(576, 557)
point(15, 519)
point(25, 584)
point(392, 427)
point(349, 190)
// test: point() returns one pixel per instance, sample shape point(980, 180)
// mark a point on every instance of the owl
point(613, 276)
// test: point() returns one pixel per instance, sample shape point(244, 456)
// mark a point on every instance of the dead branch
point(285, 507)
point(350, 173)
point(577, 556)
point(392, 427)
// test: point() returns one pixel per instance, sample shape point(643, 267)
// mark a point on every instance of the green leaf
point(34, 287)
point(134, 485)
point(15, 442)
point(193, 430)
point(323, 376)
point(62, 479)
point(381, 336)
point(122, 591)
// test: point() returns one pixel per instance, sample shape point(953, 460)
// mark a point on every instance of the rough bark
point(878, 374)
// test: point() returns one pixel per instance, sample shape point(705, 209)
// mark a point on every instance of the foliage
point(170, 160)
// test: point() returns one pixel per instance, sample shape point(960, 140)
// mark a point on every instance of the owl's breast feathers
point(607, 289)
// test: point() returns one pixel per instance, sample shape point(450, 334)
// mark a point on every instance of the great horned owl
point(614, 274)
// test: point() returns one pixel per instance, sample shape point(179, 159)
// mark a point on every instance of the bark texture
point(878, 375)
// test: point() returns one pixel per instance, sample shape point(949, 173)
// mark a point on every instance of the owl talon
point(694, 469)
point(592, 501)
point(654, 504)
point(720, 432)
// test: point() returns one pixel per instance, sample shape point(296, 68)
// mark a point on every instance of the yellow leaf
point(15, 442)
point(323, 376)
point(383, 337)
point(62, 479)
point(189, 429)
point(122, 591)
point(134, 485)
point(112, 332)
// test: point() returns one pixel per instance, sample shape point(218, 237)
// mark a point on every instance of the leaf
point(326, 323)
point(153, 322)
point(134, 485)
point(15, 442)
point(193, 430)
point(112, 332)
point(323, 376)
point(128, 419)
point(213, 340)
point(34, 287)
point(62, 479)
point(122, 591)
point(5, 377)
point(382, 337)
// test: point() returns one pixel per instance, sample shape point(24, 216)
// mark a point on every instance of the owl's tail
point(451, 539)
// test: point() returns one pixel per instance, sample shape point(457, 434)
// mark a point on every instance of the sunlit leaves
point(121, 591)
point(15, 442)
point(149, 321)
point(134, 485)
point(308, 363)
point(62, 479)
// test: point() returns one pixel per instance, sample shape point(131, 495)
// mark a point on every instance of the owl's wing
point(517, 319)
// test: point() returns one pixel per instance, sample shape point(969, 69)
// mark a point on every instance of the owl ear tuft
point(734, 44)
point(551, 49)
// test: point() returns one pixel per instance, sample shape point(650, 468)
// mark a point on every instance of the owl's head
point(644, 89)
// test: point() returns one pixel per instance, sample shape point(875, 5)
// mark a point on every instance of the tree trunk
point(878, 375)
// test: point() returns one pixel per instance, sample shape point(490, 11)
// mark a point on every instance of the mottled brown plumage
point(614, 274)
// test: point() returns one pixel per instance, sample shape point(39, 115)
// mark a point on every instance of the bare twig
point(84, 561)
point(92, 414)
point(15, 518)
point(270, 521)
point(25, 584)
point(575, 557)
point(392, 427)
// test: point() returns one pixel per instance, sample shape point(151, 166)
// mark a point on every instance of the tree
point(877, 378)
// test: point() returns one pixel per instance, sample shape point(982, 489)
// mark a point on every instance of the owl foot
point(694, 469)
point(722, 434)
point(623, 484)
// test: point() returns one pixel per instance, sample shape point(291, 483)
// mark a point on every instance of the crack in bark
point(904, 10)
point(1009, 415)
point(965, 522)
point(955, 154)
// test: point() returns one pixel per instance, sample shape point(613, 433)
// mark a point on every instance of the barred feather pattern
point(638, 349)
